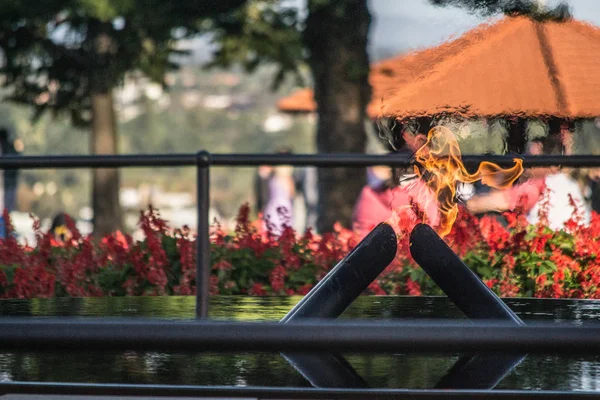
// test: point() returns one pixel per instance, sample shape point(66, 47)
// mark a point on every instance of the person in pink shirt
point(376, 204)
point(523, 196)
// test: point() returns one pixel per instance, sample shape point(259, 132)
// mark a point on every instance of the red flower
point(222, 265)
point(491, 283)
point(257, 290)
point(412, 287)
point(277, 278)
point(541, 280)
point(252, 261)
point(213, 287)
point(303, 290)
point(375, 289)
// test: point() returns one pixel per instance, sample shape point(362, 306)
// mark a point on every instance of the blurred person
point(527, 188)
point(375, 204)
point(527, 191)
point(377, 175)
point(8, 179)
point(589, 178)
point(593, 178)
point(528, 197)
point(261, 186)
point(278, 211)
point(59, 230)
point(306, 184)
point(562, 191)
point(479, 187)
point(564, 187)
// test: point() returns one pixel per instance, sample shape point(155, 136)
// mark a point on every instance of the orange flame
point(439, 166)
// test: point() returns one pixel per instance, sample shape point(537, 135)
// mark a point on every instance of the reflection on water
point(392, 370)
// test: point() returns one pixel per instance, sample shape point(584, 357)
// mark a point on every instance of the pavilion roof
point(516, 66)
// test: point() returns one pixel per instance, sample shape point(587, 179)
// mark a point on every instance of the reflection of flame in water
point(438, 164)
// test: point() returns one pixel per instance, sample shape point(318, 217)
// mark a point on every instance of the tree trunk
point(336, 37)
point(106, 182)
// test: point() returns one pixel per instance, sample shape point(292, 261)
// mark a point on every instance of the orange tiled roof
point(516, 66)
point(301, 100)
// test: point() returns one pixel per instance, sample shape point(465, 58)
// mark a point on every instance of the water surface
point(265, 369)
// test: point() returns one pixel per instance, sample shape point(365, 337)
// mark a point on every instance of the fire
point(439, 166)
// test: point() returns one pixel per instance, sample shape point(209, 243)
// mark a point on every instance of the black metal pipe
point(398, 160)
point(475, 300)
point(319, 160)
point(349, 278)
point(331, 296)
point(330, 160)
point(262, 392)
point(99, 334)
point(462, 286)
point(325, 370)
point(97, 161)
point(479, 371)
point(203, 267)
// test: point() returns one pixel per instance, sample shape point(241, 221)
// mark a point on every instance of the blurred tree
point(533, 8)
point(332, 39)
point(66, 56)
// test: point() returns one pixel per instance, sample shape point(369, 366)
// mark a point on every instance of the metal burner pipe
point(479, 371)
point(475, 300)
point(325, 370)
point(331, 296)
point(462, 286)
point(349, 278)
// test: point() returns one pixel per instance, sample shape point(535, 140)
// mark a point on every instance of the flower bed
point(517, 260)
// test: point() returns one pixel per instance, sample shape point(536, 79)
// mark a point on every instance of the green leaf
point(547, 267)
point(485, 272)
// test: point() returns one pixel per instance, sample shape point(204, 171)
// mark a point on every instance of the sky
point(401, 25)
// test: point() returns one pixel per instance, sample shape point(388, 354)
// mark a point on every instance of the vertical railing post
point(202, 239)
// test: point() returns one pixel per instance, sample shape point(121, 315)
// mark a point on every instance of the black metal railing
point(272, 393)
point(316, 335)
point(432, 337)
point(204, 160)
point(477, 337)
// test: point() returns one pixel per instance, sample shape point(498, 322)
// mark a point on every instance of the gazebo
point(516, 68)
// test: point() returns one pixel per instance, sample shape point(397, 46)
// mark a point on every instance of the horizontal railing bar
point(98, 161)
point(398, 160)
point(336, 336)
point(262, 392)
point(317, 160)
point(331, 160)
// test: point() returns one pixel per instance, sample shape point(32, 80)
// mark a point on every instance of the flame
point(439, 166)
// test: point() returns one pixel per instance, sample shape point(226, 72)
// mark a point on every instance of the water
point(384, 371)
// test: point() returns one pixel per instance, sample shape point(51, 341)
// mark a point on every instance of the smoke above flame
point(439, 166)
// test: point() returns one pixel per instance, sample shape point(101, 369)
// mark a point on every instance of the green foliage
point(520, 260)
point(262, 32)
point(57, 53)
point(530, 8)
point(172, 129)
